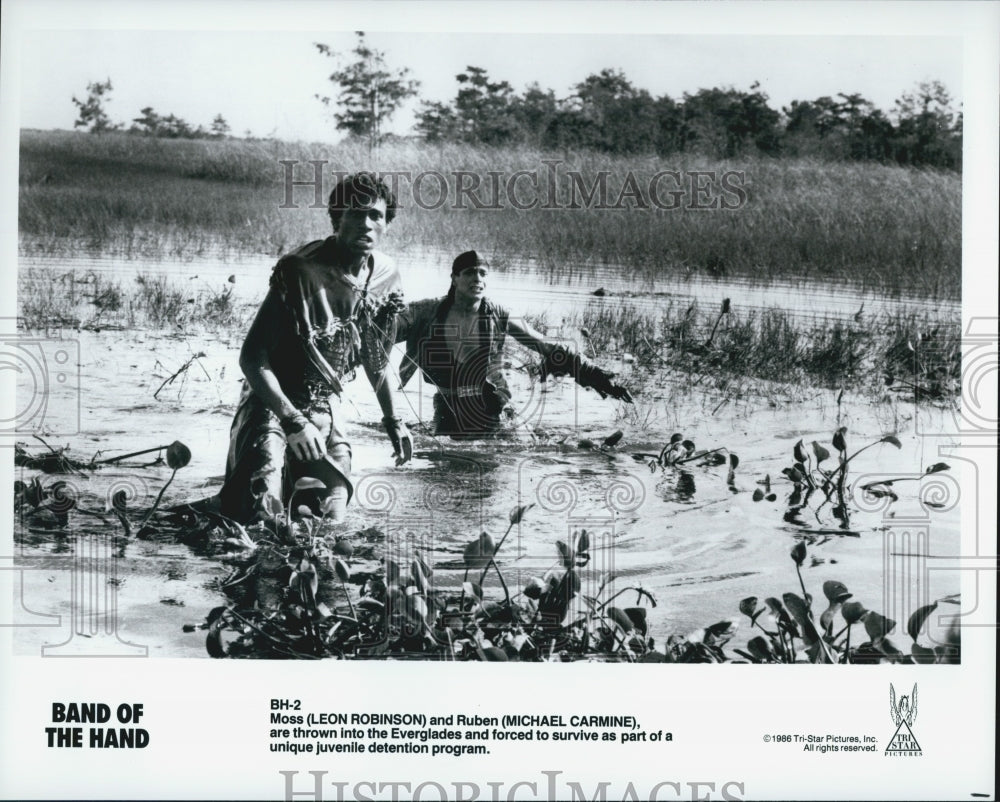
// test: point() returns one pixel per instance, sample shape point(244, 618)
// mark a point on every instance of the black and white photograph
point(347, 348)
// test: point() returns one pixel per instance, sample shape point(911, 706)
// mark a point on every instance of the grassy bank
point(885, 228)
point(905, 350)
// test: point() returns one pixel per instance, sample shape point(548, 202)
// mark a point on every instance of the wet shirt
point(333, 321)
point(425, 331)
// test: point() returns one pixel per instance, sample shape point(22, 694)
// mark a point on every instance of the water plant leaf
point(937, 467)
point(306, 583)
point(478, 553)
point(725, 306)
point(370, 604)
point(472, 589)
point(637, 615)
point(613, 439)
point(341, 569)
point(878, 626)
point(581, 542)
point(923, 654)
point(799, 452)
point(178, 455)
point(119, 501)
point(758, 495)
point(828, 616)
point(620, 618)
point(734, 461)
point(820, 452)
point(721, 632)
point(343, 547)
point(494, 655)
point(799, 552)
point(419, 577)
point(518, 512)
point(749, 607)
point(916, 622)
point(892, 439)
point(417, 607)
point(273, 505)
point(213, 640)
point(836, 591)
point(853, 612)
point(535, 588)
point(800, 612)
point(794, 475)
point(771, 497)
point(586, 444)
point(304, 511)
point(309, 483)
point(839, 441)
point(760, 648)
point(676, 437)
point(689, 446)
point(565, 554)
point(781, 615)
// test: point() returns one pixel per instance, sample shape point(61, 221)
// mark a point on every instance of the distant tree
point(91, 111)
point(437, 122)
point(727, 122)
point(928, 129)
point(220, 128)
point(484, 108)
point(483, 112)
point(370, 93)
point(533, 112)
point(147, 124)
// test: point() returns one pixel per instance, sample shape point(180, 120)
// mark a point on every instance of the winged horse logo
point(905, 709)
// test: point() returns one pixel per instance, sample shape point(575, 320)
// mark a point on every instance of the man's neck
point(466, 306)
point(351, 261)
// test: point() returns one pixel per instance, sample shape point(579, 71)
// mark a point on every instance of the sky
point(265, 81)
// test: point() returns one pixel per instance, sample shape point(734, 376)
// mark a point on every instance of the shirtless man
point(331, 306)
point(458, 344)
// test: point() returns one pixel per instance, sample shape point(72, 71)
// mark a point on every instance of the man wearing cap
point(457, 343)
point(332, 306)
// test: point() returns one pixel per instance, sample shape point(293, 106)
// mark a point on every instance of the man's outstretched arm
point(557, 360)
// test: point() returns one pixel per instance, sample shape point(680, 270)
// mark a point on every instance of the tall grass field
point(885, 228)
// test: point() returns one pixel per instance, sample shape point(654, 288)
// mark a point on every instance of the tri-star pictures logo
point(903, 743)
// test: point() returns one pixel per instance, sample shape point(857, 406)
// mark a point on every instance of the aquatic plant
point(794, 634)
point(810, 479)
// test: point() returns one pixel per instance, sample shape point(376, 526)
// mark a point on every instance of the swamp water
point(696, 542)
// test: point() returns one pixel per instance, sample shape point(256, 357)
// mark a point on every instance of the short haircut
point(360, 191)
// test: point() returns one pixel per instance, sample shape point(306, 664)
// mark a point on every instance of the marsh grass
point(903, 350)
point(49, 298)
point(891, 229)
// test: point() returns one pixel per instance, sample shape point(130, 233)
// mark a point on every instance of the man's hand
point(303, 438)
point(399, 436)
point(600, 380)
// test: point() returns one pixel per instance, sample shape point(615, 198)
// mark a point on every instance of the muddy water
point(696, 543)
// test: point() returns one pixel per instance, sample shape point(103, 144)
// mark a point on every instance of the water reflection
point(679, 488)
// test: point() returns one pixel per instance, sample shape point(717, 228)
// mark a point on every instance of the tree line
point(607, 113)
point(92, 115)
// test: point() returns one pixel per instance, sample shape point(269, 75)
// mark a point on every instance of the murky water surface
point(696, 542)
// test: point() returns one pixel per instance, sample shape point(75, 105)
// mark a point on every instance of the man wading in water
point(457, 343)
point(332, 306)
